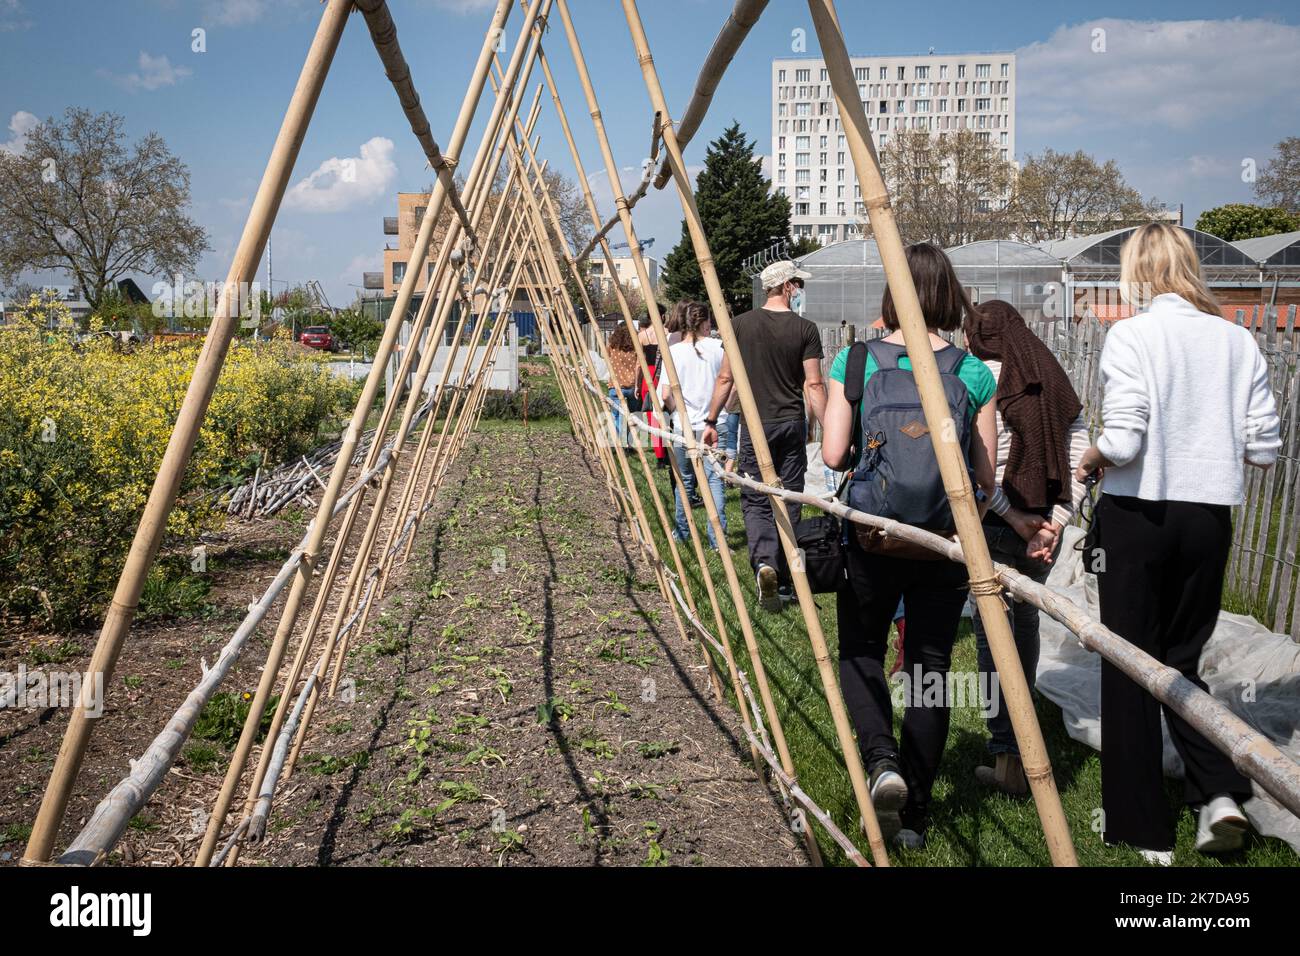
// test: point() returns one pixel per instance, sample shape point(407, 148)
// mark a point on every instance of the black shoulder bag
point(821, 539)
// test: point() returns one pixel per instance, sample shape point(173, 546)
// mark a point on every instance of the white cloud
point(342, 183)
point(1173, 74)
point(234, 13)
point(20, 124)
point(154, 73)
point(13, 17)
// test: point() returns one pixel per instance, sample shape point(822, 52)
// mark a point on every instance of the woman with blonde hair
point(1187, 402)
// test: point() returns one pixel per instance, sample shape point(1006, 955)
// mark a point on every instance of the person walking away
point(782, 353)
point(1186, 402)
point(1041, 438)
point(896, 475)
point(698, 359)
point(623, 379)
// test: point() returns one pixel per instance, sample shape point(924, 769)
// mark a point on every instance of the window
point(839, 158)
point(884, 106)
point(780, 110)
point(1003, 106)
point(961, 106)
point(902, 72)
point(419, 215)
point(839, 175)
point(821, 160)
point(821, 209)
point(900, 107)
point(780, 175)
point(883, 74)
point(1003, 139)
point(802, 109)
point(780, 159)
point(822, 142)
point(780, 142)
point(922, 89)
point(801, 159)
point(801, 209)
point(961, 71)
point(983, 104)
point(780, 76)
point(943, 106)
point(801, 142)
point(983, 70)
point(860, 74)
point(943, 71)
point(921, 106)
point(802, 76)
point(922, 72)
point(839, 209)
point(1006, 69)
point(824, 108)
point(399, 272)
point(428, 277)
point(802, 176)
point(825, 75)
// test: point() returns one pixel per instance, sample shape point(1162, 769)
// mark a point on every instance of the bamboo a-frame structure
point(480, 267)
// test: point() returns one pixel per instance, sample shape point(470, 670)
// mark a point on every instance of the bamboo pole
point(728, 564)
point(337, 476)
point(383, 32)
point(734, 30)
point(153, 522)
point(754, 427)
point(477, 184)
point(984, 585)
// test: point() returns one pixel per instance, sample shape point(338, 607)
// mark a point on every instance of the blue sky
point(1180, 97)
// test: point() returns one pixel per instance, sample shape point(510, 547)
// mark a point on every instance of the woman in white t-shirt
point(698, 359)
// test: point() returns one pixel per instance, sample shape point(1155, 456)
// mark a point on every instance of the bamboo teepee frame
point(523, 246)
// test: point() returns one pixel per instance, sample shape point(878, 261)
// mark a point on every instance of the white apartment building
point(937, 93)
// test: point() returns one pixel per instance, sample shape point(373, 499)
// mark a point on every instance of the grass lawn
point(969, 825)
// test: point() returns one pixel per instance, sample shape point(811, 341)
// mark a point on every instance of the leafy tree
point(1278, 183)
point(1244, 221)
point(949, 189)
point(741, 217)
point(76, 198)
point(361, 332)
point(1060, 195)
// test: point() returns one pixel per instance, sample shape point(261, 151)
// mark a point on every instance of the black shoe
point(888, 788)
point(786, 593)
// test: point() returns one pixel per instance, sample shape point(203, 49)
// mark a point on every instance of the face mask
point(796, 301)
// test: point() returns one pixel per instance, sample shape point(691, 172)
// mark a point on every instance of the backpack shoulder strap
point(949, 360)
point(855, 372)
point(885, 354)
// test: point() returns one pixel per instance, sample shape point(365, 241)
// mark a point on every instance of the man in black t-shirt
point(782, 353)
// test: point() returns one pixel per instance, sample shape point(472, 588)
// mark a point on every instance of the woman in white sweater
point(1187, 402)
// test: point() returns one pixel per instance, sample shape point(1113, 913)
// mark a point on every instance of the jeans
point(935, 592)
point(686, 490)
point(786, 440)
point(728, 433)
point(633, 403)
point(1007, 547)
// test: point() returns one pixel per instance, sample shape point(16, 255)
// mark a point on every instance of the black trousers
point(787, 441)
point(1159, 581)
point(934, 593)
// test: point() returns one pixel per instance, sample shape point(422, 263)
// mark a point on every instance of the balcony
point(390, 225)
point(372, 280)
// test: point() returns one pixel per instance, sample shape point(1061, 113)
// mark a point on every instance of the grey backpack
point(897, 474)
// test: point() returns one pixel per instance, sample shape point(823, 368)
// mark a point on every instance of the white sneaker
point(1158, 857)
point(1221, 827)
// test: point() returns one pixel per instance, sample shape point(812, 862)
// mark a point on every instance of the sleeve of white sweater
point(1126, 405)
point(1263, 427)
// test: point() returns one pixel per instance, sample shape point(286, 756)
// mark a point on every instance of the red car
point(319, 337)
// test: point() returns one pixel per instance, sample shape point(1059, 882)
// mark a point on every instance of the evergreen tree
point(741, 217)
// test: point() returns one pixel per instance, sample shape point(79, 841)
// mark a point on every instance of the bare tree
point(1059, 195)
point(948, 189)
point(76, 198)
point(1278, 183)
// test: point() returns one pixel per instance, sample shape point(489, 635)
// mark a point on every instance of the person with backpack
point(875, 426)
point(1042, 435)
point(1187, 405)
point(697, 358)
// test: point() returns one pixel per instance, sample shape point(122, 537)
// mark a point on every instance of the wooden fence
point(1263, 573)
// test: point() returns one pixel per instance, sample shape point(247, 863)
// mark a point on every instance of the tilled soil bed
point(521, 696)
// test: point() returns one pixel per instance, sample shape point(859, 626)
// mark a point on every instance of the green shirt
point(979, 381)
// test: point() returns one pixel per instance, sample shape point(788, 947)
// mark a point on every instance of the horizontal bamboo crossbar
point(1250, 751)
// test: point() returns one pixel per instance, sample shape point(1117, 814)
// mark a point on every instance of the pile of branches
point(294, 482)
